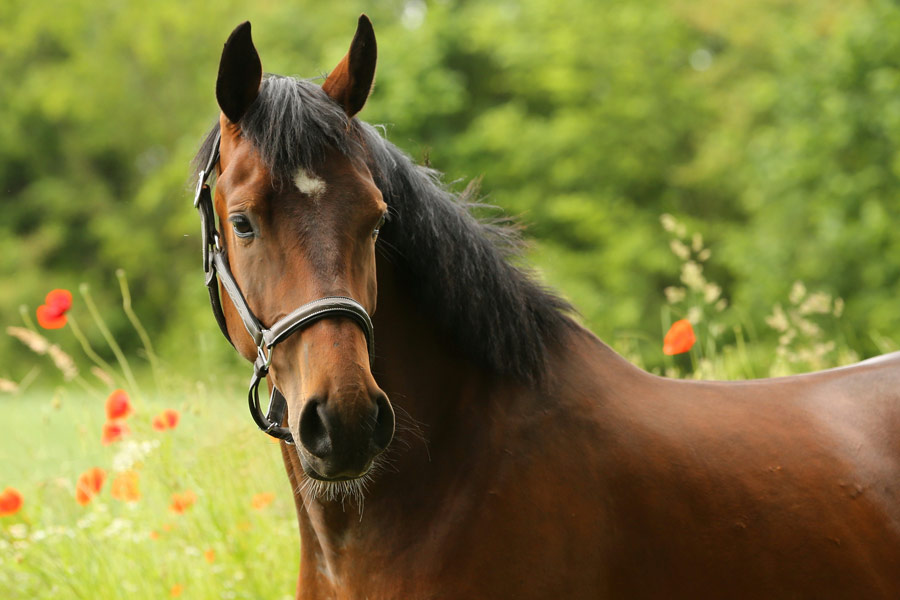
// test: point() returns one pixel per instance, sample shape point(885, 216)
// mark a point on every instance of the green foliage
point(771, 127)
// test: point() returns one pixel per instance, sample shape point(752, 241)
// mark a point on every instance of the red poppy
point(680, 338)
point(118, 406)
point(262, 500)
point(167, 419)
point(182, 502)
point(114, 431)
point(89, 485)
point(52, 314)
point(10, 502)
point(125, 487)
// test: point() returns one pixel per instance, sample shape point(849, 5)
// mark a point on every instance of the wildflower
point(260, 501)
point(210, 556)
point(817, 303)
point(679, 249)
point(154, 535)
point(131, 453)
point(695, 314)
point(118, 406)
point(102, 376)
point(711, 293)
point(668, 222)
point(176, 590)
point(167, 419)
point(39, 345)
point(697, 242)
point(674, 294)
point(778, 319)
point(182, 502)
point(692, 275)
point(114, 431)
point(89, 485)
point(63, 362)
point(680, 338)
point(125, 487)
point(52, 314)
point(10, 502)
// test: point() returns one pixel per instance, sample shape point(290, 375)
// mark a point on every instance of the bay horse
point(530, 460)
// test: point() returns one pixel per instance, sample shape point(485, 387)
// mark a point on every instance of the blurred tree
point(772, 127)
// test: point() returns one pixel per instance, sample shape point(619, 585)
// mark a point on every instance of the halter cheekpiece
point(215, 267)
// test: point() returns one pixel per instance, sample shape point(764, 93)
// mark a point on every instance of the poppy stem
point(86, 346)
point(110, 340)
point(26, 318)
point(138, 326)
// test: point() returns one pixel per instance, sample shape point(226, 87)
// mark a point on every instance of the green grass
point(55, 548)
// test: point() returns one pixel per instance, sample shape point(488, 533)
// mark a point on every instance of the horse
point(484, 444)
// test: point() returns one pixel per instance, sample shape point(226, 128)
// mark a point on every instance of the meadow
point(164, 490)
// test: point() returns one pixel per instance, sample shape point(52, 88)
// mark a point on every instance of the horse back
point(782, 487)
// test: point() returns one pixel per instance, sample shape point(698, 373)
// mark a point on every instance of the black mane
point(456, 266)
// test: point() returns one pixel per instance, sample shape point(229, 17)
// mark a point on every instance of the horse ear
point(240, 74)
point(351, 80)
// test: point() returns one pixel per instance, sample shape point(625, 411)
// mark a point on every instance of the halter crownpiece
point(215, 268)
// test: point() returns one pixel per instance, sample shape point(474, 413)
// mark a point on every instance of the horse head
point(300, 215)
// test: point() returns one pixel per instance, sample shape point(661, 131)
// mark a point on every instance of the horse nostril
point(384, 423)
point(313, 434)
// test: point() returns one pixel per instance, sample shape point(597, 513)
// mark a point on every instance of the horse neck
point(440, 396)
point(441, 399)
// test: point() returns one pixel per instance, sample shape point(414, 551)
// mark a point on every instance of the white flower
point(668, 222)
point(697, 242)
point(692, 276)
point(711, 293)
point(816, 303)
point(778, 320)
point(679, 249)
point(674, 295)
point(19, 531)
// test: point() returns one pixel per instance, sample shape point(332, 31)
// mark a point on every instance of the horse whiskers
point(405, 423)
point(345, 492)
point(407, 427)
point(354, 490)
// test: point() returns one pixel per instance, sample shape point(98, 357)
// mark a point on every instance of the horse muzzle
point(336, 442)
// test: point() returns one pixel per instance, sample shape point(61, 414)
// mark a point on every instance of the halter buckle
point(264, 360)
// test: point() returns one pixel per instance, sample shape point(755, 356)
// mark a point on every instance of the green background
point(770, 127)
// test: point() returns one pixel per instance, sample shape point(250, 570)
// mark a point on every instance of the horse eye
point(242, 226)
point(378, 227)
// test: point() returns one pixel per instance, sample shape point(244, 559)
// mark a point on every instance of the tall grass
point(238, 540)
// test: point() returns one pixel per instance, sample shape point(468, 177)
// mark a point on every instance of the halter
point(215, 267)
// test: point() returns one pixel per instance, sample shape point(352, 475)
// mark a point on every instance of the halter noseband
point(215, 267)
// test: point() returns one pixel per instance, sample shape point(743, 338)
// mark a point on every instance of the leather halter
point(215, 266)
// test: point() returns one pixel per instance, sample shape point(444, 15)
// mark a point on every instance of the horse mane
point(460, 269)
